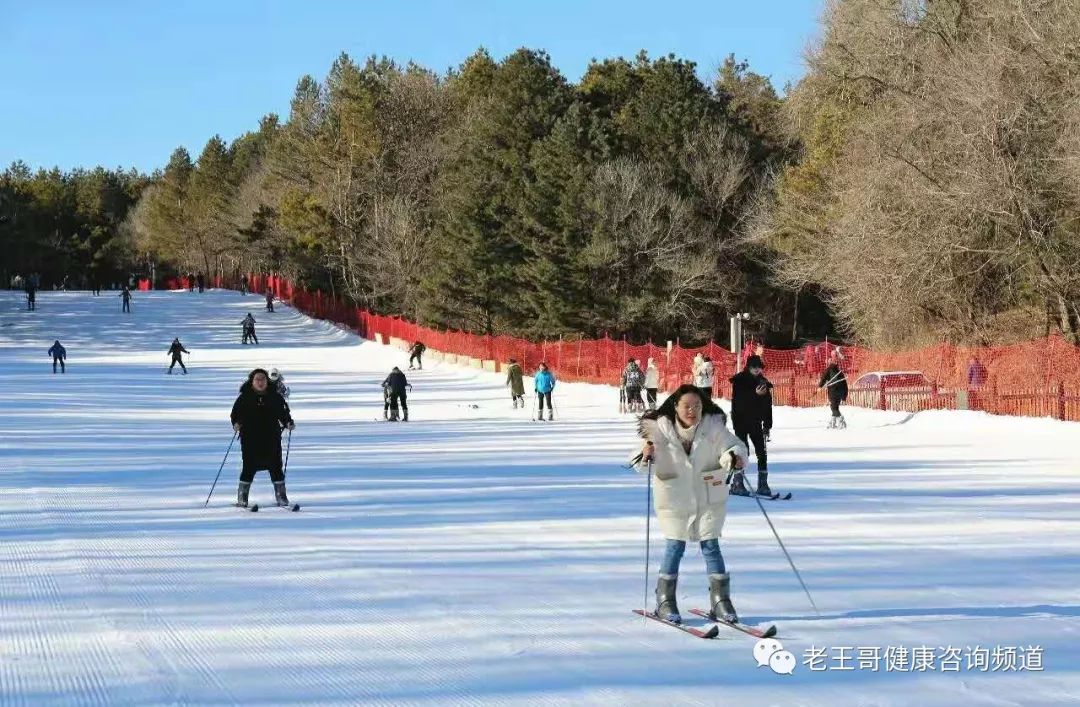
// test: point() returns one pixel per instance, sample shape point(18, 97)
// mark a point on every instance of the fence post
point(1061, 400)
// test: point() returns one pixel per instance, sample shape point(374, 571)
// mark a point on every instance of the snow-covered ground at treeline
point(472, 556)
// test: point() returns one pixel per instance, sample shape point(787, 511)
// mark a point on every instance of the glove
point(768, 435)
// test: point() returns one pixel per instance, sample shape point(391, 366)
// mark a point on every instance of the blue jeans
point(710, 550)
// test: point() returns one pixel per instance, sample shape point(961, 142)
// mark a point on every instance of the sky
point(122, 83)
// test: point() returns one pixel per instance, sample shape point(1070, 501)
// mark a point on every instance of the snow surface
point(472, 556)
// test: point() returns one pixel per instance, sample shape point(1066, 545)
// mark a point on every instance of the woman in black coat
point(259, 415)
point(751, 417)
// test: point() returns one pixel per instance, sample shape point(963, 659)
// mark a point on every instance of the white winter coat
point(704, 375)
point(652, 376)
point(690, 491)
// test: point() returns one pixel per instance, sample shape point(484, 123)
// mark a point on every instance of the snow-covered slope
point(473, 556)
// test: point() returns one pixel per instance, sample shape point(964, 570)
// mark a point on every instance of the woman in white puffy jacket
point(691, 450)
point(652, 383)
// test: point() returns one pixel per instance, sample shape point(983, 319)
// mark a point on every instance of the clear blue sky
point(123, 82)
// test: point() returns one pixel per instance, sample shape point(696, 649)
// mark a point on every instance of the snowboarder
point(652, 383)
point(243, 285)
point(544, 384)
point(703, 377)
point(515, 380)
point(248, 329)
point(59, 355)
point(751, 418)
point(394, 393)
point(201, 279)
point(175, 350)
point(31, 297)
point(125, 297)
point(834, 382)
point(691, 453)
point(269, 300)
point(416, 352)
point(633, 378)
point(259, 415)
point(278, 381)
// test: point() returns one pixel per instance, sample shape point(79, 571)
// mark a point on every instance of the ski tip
point(713, 632)
point(295, 507)
point(769, 632)
point(255, 508)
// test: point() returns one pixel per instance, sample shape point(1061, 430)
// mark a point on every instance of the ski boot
point(738, 484)
point(405, 416)
point(551, 415)
point(666, 608)
point(720, 606)
point(763, 484)
point(242, 494)
point(279, 494)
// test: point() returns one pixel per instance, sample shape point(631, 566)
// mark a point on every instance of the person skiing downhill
point(269, 300)
point(244, 285)
point(59, 355)
point(751, 419)
point(834, 382)
point(278, 381)
point(633, 378)
point(125, 297)
point(515, 380)
point(544, 384)
point(703, 377)
point(175, 350)
point(31, 297)
point(394, 394)
point(691, 452)
point(259, 415)
point(652, 383)
point(415, 354)
point(248, 329)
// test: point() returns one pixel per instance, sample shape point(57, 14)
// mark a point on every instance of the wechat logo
point(769, 651)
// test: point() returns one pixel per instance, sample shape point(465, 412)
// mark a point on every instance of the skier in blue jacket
point(59, 354)
point(545, 383)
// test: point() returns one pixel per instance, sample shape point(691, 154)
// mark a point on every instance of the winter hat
point(755, 362)
point(274, 374)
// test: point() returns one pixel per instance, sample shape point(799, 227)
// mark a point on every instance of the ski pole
point(219, 470)
point(648, 529)
point(781, 543)
point(288, 444)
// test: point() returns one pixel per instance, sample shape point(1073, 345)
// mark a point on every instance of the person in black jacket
point(259, 415)
point(834, 382)
point(416, 352)
point(175, 350)
point(59, 355)
point(751, 418)
point(394, 392)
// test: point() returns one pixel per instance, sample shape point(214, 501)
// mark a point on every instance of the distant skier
point(751, 418)
point(31, 297)
point(515, 380)
point(248, 329)
point(834, 382)
point(278, 381)
point(544, 384)
point(125, 297)
point(59, 355)
point(201, 280)
point(191, 282)
point(394, 395)
point(703, 377)
point(691, 453)
point(416, 352)
point(175, 350)
point(633, 378)
point(243, 285)
point(259, 416)
point(269, 300)
point(652, 383)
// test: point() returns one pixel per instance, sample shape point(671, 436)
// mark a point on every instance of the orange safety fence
point(1038, 378)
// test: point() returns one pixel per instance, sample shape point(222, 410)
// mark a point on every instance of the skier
point(690, 448)
point(632, 380)
point(834, 382)
point(416, 352)
point(31, 297)
point(243, 285)
point(703, 377)
point(278, 382)
point(259, 415)
point(201, 279)
point(393, 393)
point(544, 383)
point(125, 296)
point(515, 380)
point(269, 300)
point(652, 383)
point(751, 418)
point(175, 350)
point(248, 324)
point(191, 282)
point(59, 355)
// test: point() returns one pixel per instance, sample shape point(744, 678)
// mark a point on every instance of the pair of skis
point(712, 631)
point(254, 507)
